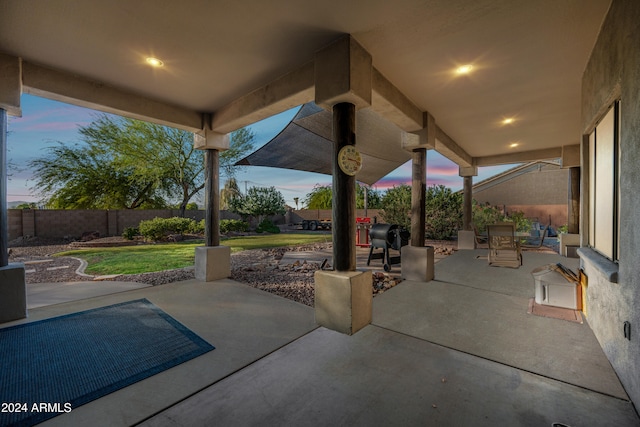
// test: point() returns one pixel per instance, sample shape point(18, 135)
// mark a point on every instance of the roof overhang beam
point(73, 89)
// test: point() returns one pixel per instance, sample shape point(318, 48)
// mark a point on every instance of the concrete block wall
point(72, 223)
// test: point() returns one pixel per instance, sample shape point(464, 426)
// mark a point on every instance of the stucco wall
point(614, 71)
point(539, 194)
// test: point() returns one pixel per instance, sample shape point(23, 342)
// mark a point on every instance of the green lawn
point(167, 256)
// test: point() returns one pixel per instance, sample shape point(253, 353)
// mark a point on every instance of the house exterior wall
point(539, 194)
point(614, 71)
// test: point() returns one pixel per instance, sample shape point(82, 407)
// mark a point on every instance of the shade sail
point(305, 144)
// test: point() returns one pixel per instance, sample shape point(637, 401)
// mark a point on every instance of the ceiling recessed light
point(507, 121)
point(464, 69)
point(154, 62)
point(514, 144)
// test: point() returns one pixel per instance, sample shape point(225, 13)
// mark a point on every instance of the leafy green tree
point(322, 195)
point(319, 198)
point(230, 191)
point(241, 143)
point(396, 206)
point(443, 213)
point(259, 202)
point(127, 164)
point(374, 198)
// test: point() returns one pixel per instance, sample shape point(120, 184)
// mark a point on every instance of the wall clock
point(349, 160)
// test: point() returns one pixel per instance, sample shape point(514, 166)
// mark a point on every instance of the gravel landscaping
point(259, 268)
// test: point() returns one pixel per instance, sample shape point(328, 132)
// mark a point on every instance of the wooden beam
point(446, 146)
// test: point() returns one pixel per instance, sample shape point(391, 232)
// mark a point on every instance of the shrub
point(484, 215)
point(443, 213)
point(396, 205)
point(158, 228)
point(130, 232)
point(268, 226)
point(227, 225)
point(197, 227)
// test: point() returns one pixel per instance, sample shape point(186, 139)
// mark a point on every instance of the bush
point(227, 225)
point(484, 215)
point(268, 226)
point(197, 227)
point(130, 232)
point(158, 228)
point(443, 213)
point(396, 205)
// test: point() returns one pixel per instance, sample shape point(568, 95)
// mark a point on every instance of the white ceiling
point(528, 55)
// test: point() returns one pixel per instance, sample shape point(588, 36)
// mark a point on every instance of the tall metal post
point(344, 191)
point(418, 196)
point(212, 197)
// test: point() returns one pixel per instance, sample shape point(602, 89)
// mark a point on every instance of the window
point(604, 160)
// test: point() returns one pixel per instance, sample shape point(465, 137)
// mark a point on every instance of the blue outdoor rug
point(52, 366)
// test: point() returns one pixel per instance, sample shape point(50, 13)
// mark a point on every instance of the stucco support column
point(466, 236)
point(571, 160)
point(212, 261)
point(417, 260)
point(13, 292)
point(343, 297)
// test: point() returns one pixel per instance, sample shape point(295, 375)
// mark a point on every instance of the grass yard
point(168, 256)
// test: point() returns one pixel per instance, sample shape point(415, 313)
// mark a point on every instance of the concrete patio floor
point(459, 350)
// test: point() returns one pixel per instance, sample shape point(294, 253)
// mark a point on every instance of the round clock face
point(349, 160)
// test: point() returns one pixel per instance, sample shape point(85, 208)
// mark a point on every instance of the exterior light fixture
point(514, 144)
point(464, 69)
point(507, 121)
point(154, 62)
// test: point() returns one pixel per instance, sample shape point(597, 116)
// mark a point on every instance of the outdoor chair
point(480, 239)
point(504, 248)
point(531, 243)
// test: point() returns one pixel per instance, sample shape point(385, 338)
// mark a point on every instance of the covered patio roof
point(228, 65)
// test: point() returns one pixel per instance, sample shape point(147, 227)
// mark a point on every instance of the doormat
point(53, 366)
point(554, 312)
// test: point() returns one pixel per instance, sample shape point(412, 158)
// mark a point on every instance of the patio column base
point(343, 300)
point(567, 239)
point(417, 263)
point(213, 263)
point(466, 239)
point(13, 293)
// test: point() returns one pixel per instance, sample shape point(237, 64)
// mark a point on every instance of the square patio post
point(212, 261)
point(417, 260)
point(467, 236)
point(343, 297)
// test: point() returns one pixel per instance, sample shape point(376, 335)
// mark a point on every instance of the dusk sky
point(45, 122)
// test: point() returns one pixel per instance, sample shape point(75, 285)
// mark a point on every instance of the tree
point(397, 206)
point(322, 195)
point(127, 164)
point(229, 192)
point(443, 212)
point(240, 144)
point(258, 203)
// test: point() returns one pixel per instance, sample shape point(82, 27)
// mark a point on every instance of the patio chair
point(480, 239)
point(540, 240)
point(504, 248)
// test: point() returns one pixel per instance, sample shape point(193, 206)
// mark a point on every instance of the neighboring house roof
point(513, 173)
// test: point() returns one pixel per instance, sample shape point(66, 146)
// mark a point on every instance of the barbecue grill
point(386, 237)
